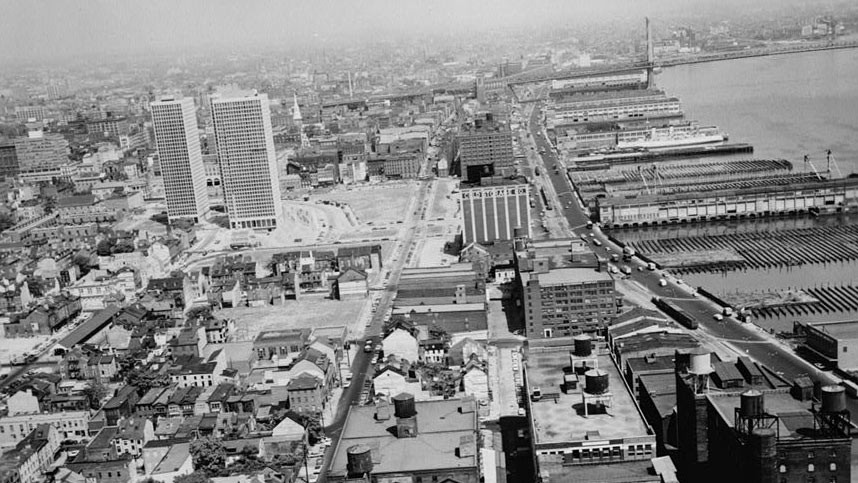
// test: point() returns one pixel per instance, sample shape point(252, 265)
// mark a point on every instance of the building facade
point(492, 213)
point(485, 149)
point(178, 141)
point(245, 147)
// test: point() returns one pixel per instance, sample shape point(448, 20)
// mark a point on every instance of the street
point(361, 365)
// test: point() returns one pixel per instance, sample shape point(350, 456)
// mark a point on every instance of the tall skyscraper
point(248, 164)
point(178, 141)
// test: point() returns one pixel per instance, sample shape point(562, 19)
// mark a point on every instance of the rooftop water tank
point(583, 346)
point(359, 459)
point(833, 399)
point(596, 381)
point(753, 403)
point(700, 362)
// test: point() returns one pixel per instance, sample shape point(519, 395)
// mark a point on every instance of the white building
point(178, 141)
point(69, 424)
point(401, 344)
point(245, 148)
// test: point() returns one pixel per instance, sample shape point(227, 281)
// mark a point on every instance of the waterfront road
point(745, 339)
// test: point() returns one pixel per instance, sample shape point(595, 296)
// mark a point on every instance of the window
point(782, 469)
point(832, 467)
point(844, 348)
point(810, 468)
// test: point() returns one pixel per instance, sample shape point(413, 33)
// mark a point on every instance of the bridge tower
point(650, 56)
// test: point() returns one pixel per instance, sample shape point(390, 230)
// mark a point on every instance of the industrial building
point(562, 289)
point(819, 196)
point(452, 298)
point(425, 441)
point(836, 342)
point(631, 110)
point(245, 149)
point(485, 149)
point(583, 417)
point(178, 141)
point(494, 209)
point(728, 432)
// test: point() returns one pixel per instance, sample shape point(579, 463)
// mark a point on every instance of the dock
point(787, 248)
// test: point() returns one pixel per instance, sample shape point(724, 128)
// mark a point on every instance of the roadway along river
point(786, 106)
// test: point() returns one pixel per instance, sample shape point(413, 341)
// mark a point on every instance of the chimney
point(382, 410)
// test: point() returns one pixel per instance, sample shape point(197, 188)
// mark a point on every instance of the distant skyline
point(53, 29)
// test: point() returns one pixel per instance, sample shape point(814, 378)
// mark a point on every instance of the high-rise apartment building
point(485, 149)
point(494, 209)
point(181, 161)
point(245, 149)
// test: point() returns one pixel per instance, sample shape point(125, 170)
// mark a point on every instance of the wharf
point(606, 160)
point(785, 248)
point(822, 301)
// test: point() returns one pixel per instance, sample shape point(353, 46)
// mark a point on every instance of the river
point(785, 106)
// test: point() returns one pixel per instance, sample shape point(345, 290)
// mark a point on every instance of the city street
point(361, 364)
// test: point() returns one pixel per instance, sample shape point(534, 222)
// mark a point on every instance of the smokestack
point(351, 92)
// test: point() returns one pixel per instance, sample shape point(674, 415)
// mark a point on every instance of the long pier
point(759, 250)
point(829, 300)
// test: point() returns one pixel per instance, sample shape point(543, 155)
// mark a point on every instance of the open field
point(295, 314)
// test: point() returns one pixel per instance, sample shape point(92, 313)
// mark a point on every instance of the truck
point(615, 257)
point(650, 266)
point(627, 270)
point(628, 253)
point(728, 311)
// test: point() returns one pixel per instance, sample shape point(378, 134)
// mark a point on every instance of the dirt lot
point(378, 204)
point(307, 313)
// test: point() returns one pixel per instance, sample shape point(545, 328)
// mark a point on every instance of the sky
point(44, 29)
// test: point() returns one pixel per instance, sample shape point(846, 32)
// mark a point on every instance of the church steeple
point(296, 111)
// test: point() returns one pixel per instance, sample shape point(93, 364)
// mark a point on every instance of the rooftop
point(442, 428)
point(796, 420)
point(565, 276)
point(838, 330)
point(558, 417)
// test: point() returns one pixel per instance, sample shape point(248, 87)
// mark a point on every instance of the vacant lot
point(295, 314)
point(379, 204)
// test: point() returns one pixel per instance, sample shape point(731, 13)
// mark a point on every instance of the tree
point(105, 247)
point(208, 455)
point(95, 392)
point(202, 312)
point(195, 477)
point(6, 221)
point(144, 379)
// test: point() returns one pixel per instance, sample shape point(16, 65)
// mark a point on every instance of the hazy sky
point(38, 29)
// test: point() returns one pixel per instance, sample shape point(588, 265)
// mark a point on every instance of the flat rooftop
point(794, 415)
point(558, 417)
point(838, 330)
point(442, 427)
point(565, 276)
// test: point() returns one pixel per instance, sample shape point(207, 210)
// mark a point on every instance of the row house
point(31, 456)
point(121, 405)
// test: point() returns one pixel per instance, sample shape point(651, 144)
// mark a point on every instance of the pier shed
point(837, 342)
